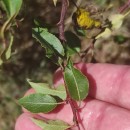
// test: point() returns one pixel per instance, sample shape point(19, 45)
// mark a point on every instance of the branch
point(62, 20)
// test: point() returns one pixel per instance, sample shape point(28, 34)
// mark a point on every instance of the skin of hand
point(106, 108)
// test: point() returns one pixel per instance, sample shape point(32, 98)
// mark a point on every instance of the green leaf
point(60, 92)
point(37, 23)
point(45, 89)
point(49, 41)
point(73, 43)
point(120, 39)
point(38, 102)
point(5, 55)
point(8, 50)
point(80, 32)
point(12, 7)
point(76, 82)
point(51, 124)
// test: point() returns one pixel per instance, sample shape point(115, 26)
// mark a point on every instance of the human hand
point(107, 106)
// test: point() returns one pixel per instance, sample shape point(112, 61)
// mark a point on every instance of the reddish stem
point(70, 101)
point(74, 110)
point(124, 7)
point(62, 18)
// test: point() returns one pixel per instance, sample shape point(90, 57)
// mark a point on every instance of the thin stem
point(74, 110)
point(70, 101)
point(63, 65)
point(124, 7)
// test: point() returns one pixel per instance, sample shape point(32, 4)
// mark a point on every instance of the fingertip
point(24, 122)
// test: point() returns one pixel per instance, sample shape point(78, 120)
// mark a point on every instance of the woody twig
point(62, 20)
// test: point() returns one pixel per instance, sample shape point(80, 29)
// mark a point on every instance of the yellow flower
point(84, 20)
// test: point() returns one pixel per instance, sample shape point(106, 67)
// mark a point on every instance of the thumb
point(94, 115)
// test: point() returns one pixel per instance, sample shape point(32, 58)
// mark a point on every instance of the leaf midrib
point(57, 126)
point(42, 103)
